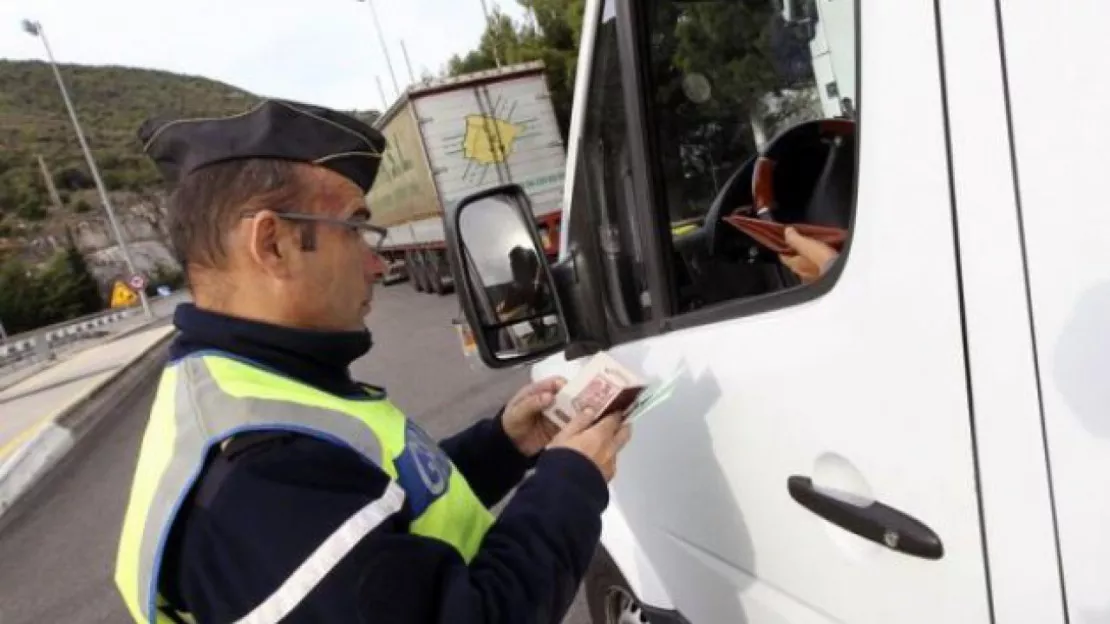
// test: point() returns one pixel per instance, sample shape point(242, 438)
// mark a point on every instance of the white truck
point(922, 433)
point(451, 137)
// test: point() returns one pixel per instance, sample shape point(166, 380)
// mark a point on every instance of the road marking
point(14, 444)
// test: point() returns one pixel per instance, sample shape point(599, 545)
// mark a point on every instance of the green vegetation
point(555, 43)
point(111, 102)
point(761, 55)
point(164, 276)
point(61, 290)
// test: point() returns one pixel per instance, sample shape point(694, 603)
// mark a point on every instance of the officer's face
point(333, 279)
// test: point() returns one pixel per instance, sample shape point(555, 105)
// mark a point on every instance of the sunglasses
point(373, 235)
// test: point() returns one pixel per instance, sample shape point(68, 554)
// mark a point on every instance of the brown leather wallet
point(773, 235)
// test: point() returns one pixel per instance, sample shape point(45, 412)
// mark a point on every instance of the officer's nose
point(373, 266)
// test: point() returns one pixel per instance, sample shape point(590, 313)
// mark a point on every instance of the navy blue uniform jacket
point(264, 503)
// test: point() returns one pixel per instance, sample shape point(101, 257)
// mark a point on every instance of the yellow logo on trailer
point(123, 296)
point(489, 140)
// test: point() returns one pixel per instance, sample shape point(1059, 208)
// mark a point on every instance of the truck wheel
point(611, 600)
point(412, 267)
point(608, 595)
point(425, 271)
point(437, 272)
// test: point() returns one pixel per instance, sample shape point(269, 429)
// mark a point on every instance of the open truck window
point(753, 109)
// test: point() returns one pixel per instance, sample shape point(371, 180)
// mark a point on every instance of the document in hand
point(603, 385)
point(658, 394)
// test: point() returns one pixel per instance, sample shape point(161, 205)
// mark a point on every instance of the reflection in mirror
point(514, 296)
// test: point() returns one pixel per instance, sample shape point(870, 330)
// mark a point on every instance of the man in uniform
point(270, 486)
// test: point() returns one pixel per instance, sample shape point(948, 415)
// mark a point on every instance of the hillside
point(111, 103)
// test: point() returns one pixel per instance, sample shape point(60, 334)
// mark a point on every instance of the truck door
point(1055, 63)
point(797, 412)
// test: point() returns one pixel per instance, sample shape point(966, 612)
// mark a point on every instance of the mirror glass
point(513, 294)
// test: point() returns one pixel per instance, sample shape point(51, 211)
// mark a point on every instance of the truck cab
point(921, 433)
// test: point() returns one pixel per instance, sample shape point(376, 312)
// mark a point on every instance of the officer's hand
point(812, 257)
point(600, 443)
point(523, 418)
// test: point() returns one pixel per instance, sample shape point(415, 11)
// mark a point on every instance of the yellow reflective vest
point(206, 399)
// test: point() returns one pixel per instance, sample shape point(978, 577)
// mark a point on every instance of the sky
point(323, 52)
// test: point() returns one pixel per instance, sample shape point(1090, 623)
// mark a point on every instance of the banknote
point(603, 385)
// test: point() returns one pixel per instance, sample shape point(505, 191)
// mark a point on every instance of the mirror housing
point(502, 277)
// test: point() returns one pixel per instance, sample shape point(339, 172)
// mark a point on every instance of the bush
point(63, 290)
point(164, 276)
point(82, 206)
point(32, 211)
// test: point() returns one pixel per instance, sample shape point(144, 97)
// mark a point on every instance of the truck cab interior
point(812, 181)
point(759, 118)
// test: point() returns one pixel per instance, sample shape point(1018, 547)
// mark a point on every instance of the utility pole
point(49, 180)
point(385, 48)
point(408, 64)
point(35, 30)
point(381, 92)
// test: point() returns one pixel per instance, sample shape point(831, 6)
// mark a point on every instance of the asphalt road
point(57, 547)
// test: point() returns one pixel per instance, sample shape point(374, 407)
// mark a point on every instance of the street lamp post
point(35, 30)
point(385, 48)
point(408, 63)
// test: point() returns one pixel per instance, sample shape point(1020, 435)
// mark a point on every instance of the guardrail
point(41, 343)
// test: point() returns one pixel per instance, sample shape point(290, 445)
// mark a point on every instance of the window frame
point(641, 210)
point(633, 35)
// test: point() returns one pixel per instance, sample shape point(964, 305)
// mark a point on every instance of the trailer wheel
point(412, 267)
point(437, 272)
point(425, 271)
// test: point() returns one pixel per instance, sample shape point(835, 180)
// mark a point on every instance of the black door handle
point(876, 522)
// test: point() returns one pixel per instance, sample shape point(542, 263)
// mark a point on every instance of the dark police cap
point(278, 129)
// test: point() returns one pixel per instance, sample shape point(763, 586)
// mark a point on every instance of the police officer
point(272, 487)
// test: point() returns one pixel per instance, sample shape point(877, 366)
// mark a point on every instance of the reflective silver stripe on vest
point(324, 559)
point(206, 415)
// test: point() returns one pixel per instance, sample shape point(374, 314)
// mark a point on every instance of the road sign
point(123, 296)
point(138, 282)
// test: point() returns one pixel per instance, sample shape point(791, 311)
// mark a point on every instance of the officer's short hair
point(208, 202)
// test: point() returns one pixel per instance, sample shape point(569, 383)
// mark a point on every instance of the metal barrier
point(43, 341)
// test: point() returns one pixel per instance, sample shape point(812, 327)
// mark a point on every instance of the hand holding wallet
point(773, 235)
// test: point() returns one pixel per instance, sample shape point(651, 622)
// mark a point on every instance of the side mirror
point(503, 279)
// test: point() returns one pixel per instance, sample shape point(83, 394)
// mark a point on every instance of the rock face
point(142, 221)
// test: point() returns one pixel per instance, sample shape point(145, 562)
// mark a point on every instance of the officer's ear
point(269, 243)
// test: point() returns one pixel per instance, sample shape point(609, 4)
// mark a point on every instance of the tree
point(163, 275)
point(554, 41)
point(19, 297)
point(86, 292)
point(62, 290)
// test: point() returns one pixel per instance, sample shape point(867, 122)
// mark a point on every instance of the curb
point(64, 428)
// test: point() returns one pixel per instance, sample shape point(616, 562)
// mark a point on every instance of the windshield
point(729, 76)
